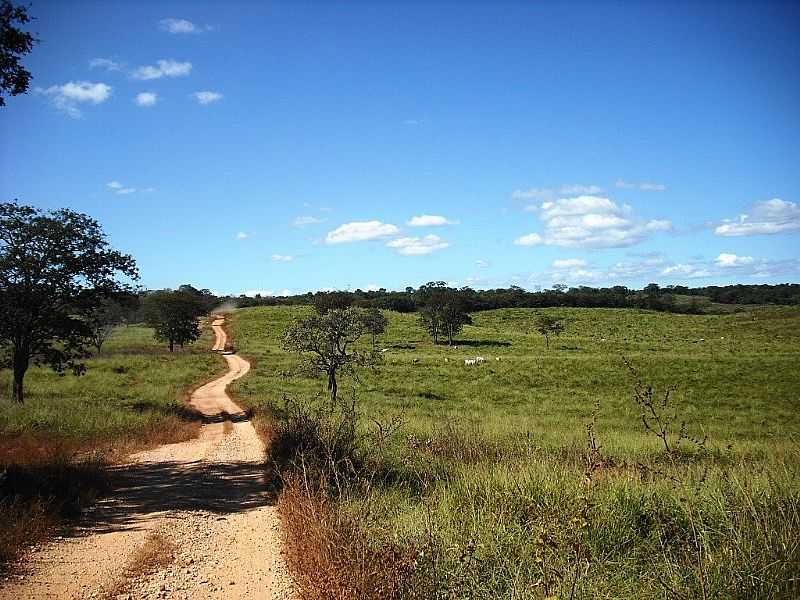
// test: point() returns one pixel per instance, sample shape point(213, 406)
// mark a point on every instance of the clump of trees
point(375, 323)
point(56, 268)
point(327, 344)
point(443, 312)
point(173, 316)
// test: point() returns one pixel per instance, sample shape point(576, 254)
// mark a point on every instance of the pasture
point(494, 487)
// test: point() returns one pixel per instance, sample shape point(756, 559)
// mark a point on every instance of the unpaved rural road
point(205, 497)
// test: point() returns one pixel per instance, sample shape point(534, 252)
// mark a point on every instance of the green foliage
point(443, 311)
point(325, 301)
point(549, 325)
point(375, 323)
point(14, 45)
point(173, 317)
point(54, 267)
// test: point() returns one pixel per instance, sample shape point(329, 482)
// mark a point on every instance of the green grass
point(134, 389)
point(490, 479)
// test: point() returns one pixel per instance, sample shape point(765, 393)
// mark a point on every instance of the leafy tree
point(454, 315)
point(173, 316)
point(549, 325)
point(103, 320)
point(55, 267)
point(14, 44)
point(444, 311)
point(327, 344)
point(375, 323)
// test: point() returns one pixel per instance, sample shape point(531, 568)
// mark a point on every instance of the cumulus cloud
point(172, 25)
point(207, 97)
point(430, 221)
point(644, 186)
point(254, 293)
point(282, 258)
point(105, 63)
point(118, 188)
point(163, 68)
point(67, 97)
point(146, 99)
point(303, 221)
point(568, 263)
point(418, 246)
point(767, 217)
point(726, 260)
point(589, 222)
point(242, 235)
point(359, 231)
point(688, 271)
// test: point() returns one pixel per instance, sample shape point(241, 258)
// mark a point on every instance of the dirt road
point(200, 507)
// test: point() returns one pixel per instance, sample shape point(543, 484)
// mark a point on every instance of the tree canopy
point(55, 268)
point(14, 45)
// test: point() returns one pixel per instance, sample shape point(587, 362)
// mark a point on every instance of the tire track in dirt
point(206, 498)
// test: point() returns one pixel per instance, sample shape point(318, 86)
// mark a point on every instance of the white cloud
point(576, 188)
point(372, 287)
point(687, 270)
point(163, 68)
point(254, 293)
point(282, 258)
point(242, 235)
point(568, 263)
point(146, 99)
point(207, 97)
point(181, 26)
point(726, 260)
point(418, 246)
point(532, 194)
point(767, 217)
point(118, 188)
point(67, 97)
point(430, 221)
point(532, 239)
point(644, 186)
point(303, 221)
point(589, 222)
point(105, 63)
point(359, 231)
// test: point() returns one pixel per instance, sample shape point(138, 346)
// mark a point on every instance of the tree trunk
point(171, 345)
point(332, 385)
point(20, 367)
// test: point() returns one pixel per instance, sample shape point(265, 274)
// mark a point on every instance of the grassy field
point(132, 392)
point(490, 489)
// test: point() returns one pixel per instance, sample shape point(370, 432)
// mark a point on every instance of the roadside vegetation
point(644, 455)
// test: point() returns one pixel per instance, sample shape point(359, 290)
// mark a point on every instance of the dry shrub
point(23, 523)
point(331, 554)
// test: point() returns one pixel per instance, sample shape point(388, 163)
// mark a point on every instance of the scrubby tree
point(103, 320)
point(549, 325)
point(454, 315)
point(443, 312)
point(173, 316)
point(14, 45)
point(327, 344)
point(375, 323)
point(55, 267)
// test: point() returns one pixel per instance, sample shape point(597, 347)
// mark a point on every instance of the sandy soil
point(207, 497)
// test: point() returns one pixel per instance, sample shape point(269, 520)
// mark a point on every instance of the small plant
point(659, 415)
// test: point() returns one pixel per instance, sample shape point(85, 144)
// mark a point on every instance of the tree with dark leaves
point(549, 325)
point(14, 44)
point(55, 267)
point(173, 316)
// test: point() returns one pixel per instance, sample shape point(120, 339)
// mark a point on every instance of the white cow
point(480, 359)
point(469, 361)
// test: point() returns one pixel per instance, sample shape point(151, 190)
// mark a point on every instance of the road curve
point(206, 497)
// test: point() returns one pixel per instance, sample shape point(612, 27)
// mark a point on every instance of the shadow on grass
point(486, 343)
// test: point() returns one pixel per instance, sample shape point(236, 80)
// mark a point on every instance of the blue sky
point(290, 146)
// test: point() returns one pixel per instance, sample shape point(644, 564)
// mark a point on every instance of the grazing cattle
point(384, 350)
point(414, 360)
point(498, 359)
point(469, 361)
point(479, 359)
